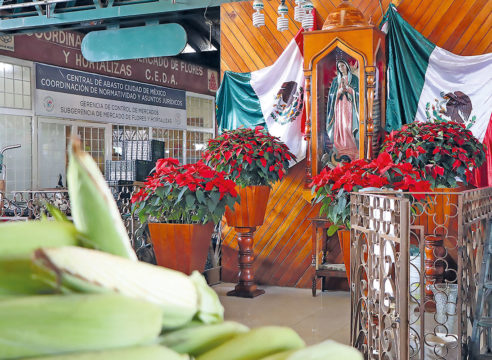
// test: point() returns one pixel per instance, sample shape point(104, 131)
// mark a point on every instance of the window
point(173, 141)
point(195, 144)
point(15, 86)
point(200, 121)
point(93, 141)
point(199, 112)
point(53, 140)
point(16, 130)
point(184, 145)
point(124, 133)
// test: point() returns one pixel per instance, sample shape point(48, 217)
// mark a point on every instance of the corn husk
point(22, 238)
point(152, 352)
point(255, 344)
point(54, 324)
point(94, 210)
point(196, 340)
point(86, 270)
point(17, 278)
point(328, 349)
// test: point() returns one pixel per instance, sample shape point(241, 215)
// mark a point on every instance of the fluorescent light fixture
point(210, 47)
point(188, 50)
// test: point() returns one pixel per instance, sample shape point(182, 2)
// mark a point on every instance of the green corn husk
point(17, 278)
point(54, 324)
point(94, 210)
point(196, 340)
point(325, 350)
point(22, 238)
point(153, 352)
point(210, 310)
point(18, 240)
point(86, 270)
point(257, 343)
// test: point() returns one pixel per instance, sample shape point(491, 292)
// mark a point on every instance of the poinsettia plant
point(444, 150)
point(185, 194)
point(249, 156)
point(332, 186)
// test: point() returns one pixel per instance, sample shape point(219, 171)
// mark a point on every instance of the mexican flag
point(272, 97)
point(425, 81)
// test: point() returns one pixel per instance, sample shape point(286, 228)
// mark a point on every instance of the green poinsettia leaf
point(190, 200)
point(161, 192)
point(142, 216)
point(200, 195)
point(220, 210)
point(181, 193)
point(332, 230)
point(215, 196)
point(211, 205)
point(230, 201)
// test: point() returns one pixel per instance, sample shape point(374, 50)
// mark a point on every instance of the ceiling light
point(188, 50)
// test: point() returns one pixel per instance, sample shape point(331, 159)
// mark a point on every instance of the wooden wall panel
point(460, 26)
point(283, 242)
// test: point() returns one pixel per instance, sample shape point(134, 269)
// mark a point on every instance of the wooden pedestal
point(246, 286)
point(245, 217)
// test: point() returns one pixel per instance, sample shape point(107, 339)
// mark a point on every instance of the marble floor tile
point(326, 316)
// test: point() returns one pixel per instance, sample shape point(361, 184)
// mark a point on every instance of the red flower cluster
point(185, 190)
point(379, 173)
point(443, 150)
point(250, 157)
point(333, 186)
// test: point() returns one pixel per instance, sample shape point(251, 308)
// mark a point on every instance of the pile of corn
point(76, 291)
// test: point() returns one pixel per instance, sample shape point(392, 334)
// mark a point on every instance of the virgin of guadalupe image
point(342, 119)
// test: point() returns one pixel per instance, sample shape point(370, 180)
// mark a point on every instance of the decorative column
point(434, 267)
point(370, 84)
point(307, 132)
point(246, 287)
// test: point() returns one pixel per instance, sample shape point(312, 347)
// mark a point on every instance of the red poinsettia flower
point(437, 148)
point(383, 162)
point(250, 156)
point(331, 185)
point(186, 193)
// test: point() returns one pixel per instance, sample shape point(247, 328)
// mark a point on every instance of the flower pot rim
point(171, 223)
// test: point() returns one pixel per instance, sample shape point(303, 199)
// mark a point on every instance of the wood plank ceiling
point(283, 243)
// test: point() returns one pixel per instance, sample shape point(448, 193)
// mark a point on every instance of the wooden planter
point(251, 211)
point(182, 247)
point(344, 238)
point(245, 217)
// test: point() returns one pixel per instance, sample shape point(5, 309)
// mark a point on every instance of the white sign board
point(75, 94)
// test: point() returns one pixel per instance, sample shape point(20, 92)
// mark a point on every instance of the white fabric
point(472, 75)
point(267, 82)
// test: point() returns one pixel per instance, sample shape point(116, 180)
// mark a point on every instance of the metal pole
point(404, 273)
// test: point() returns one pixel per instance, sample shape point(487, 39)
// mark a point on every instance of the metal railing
point(30, 205)
point(414, 270)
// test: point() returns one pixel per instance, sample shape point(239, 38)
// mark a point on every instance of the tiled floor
point(326, 316)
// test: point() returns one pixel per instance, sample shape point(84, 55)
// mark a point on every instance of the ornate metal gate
point(414, 272)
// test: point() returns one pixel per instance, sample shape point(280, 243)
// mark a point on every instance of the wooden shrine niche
point(344, 65)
